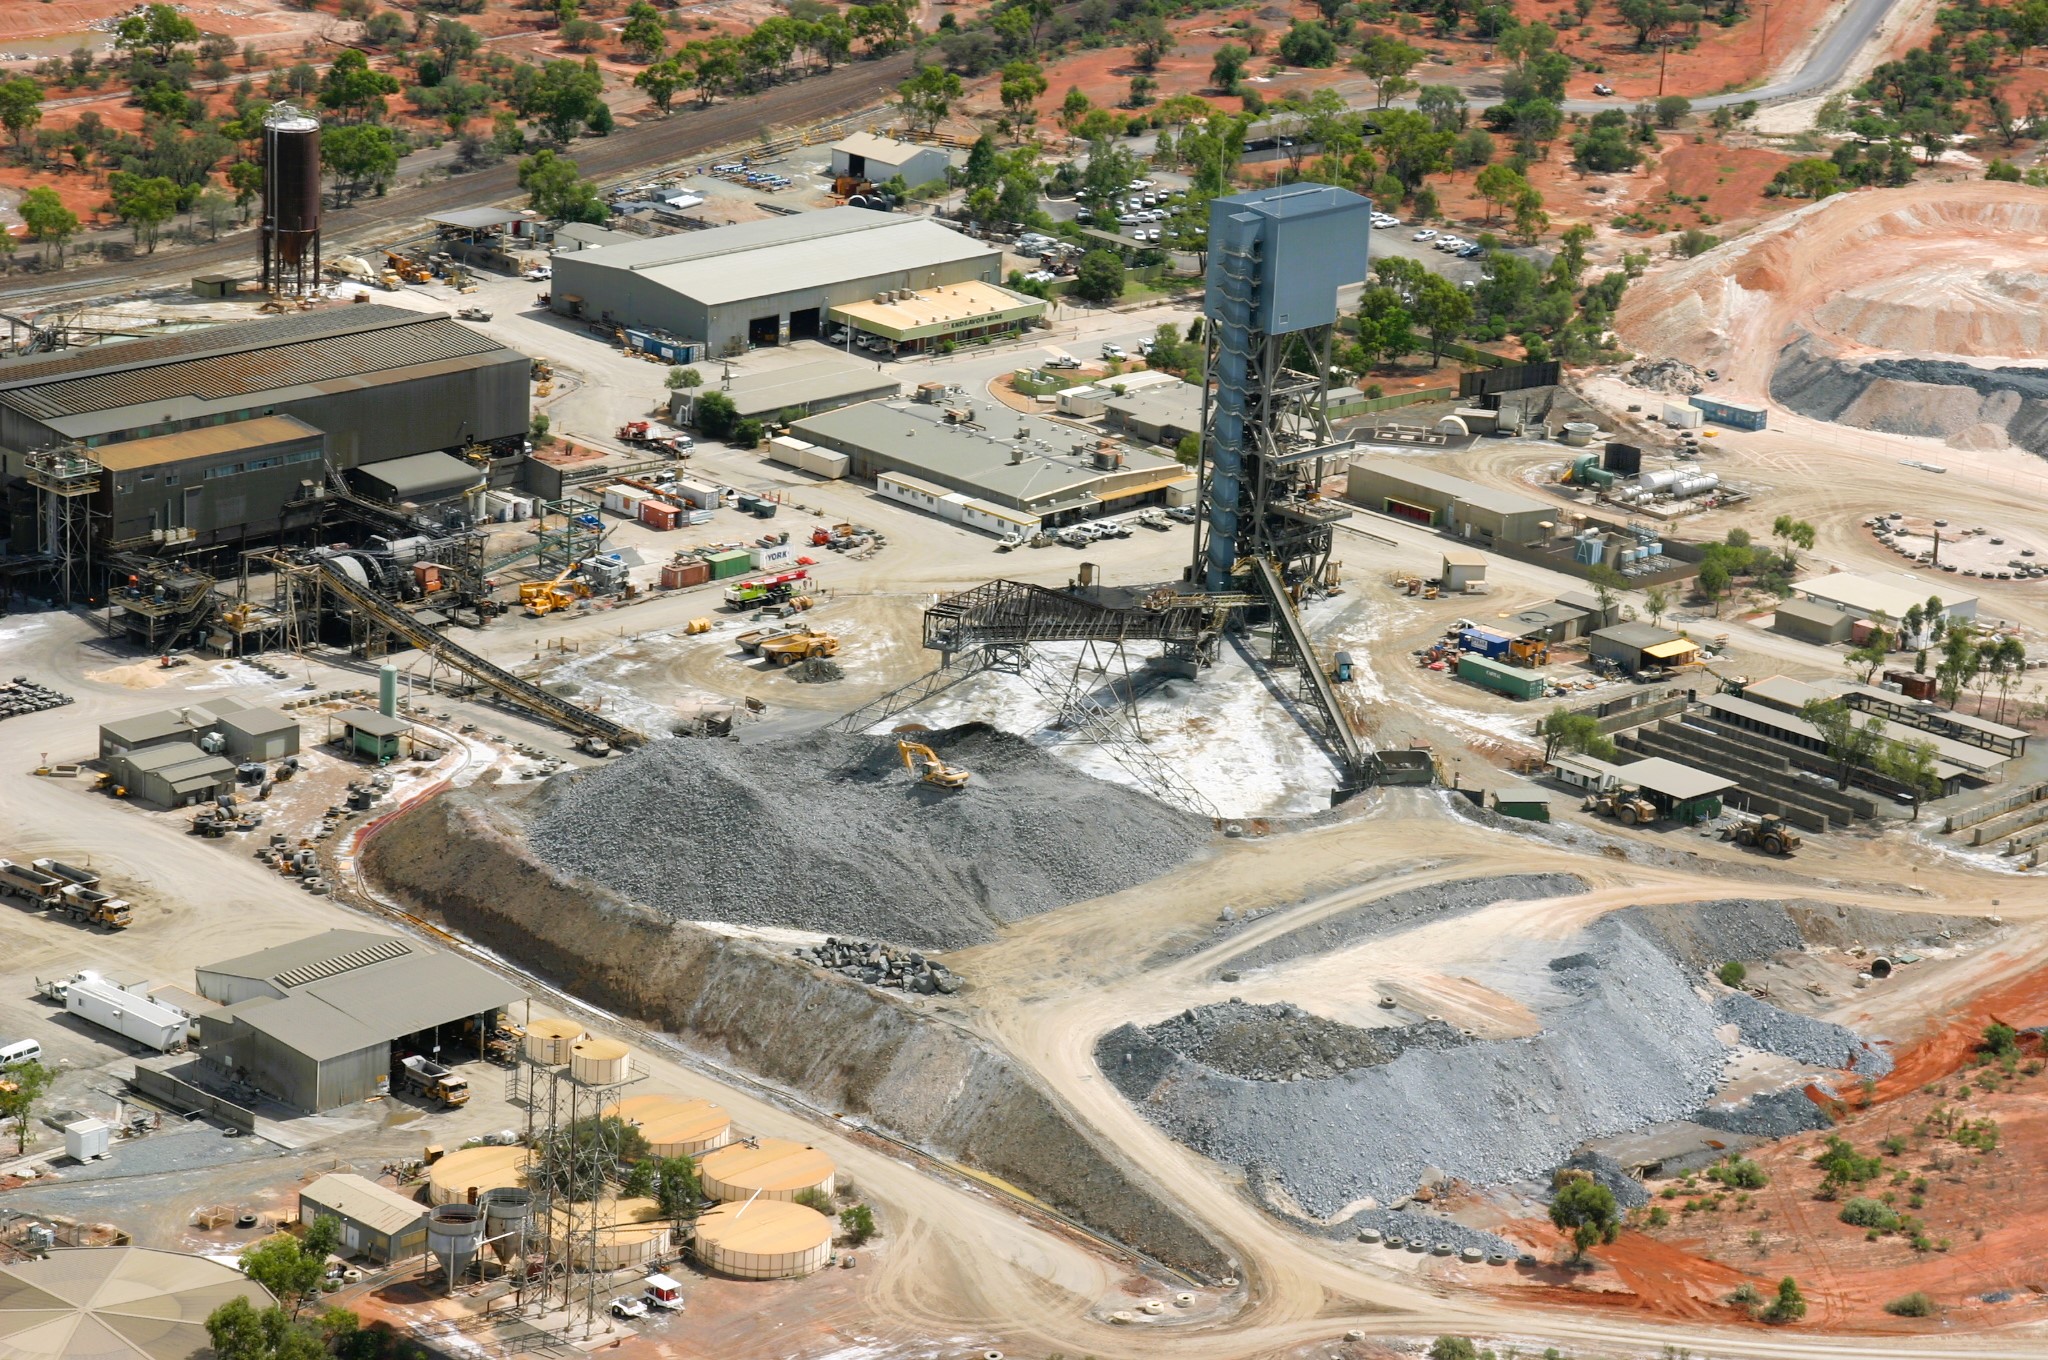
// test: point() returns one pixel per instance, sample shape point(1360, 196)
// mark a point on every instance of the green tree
point(715, 414)
point(1655, 603)
point(1875, 650)
point(289, 1269)
point(1306, 43)
point(684, 379)
point(1713, 581)
point(1226, 68)
point(555, 189)
point(1453, 1348)
point(157, 31)
point(21, 108)
point(1959, 663)
point(27, 1083)
point(352, 89)
point(48, 220)
point(565, 96)
point(1411, 148)
point(1499, 185)
point(1792, 534)
point(144, 203)
point(1386, 62)
point(1151, 41)
point(660, 81)
point(644, 34)
point(858, 1223)
point(1732, 973)
point(1444, 106)
point(1099, 277)
point(361, 154)
point(1788, 1306)
point(1671, 109)
point(927, 97)
point(1022, 84)
point(1911, 763)
point(1644, 16)
point(1583, 1209)
point(1562, 729)
point(1442, 309)
point(1850, 744)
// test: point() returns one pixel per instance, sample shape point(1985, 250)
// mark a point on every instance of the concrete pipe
point(1880, 968)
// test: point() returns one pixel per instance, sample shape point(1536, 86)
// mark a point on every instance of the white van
point(21, 1051)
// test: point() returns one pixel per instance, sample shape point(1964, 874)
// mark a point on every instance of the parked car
point(1114, 352)
point(1184, 513)
point(1426, 234)
point(1603, 89)
point(1471, 252)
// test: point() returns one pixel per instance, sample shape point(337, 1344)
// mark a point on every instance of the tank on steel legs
point(291, 199)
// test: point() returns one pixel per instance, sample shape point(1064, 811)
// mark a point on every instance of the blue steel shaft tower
point(1276, 260)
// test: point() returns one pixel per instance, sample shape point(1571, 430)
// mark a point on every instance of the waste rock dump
point(829, 833)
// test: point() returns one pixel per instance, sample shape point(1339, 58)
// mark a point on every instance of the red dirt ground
point(1725, 58)
point(1986, 1207)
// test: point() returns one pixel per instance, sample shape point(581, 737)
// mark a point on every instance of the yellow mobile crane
point(559, 593)
point(934, 771)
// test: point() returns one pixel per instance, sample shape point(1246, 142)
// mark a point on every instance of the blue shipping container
point(1483, 642)
point(1738, 414)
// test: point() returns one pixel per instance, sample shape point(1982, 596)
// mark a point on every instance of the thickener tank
point(291, 199)
point(454, 1231)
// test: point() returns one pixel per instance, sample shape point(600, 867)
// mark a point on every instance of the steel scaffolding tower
point(65, 478)
point(1277, 258)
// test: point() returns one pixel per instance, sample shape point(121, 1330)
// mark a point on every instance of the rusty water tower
point(291, 199)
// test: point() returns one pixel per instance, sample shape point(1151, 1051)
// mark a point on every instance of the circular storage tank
point(466, 1176)
point(773, 1168)
point(504, 1210)
point(1660, 479)
point(453, 1233)
point(673, 1126)
point(1579, 433)
point(550, 1041)
point(600, 1062)
point(630, 1233)
point(766, 1240)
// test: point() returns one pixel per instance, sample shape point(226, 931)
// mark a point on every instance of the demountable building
point(115, 1303)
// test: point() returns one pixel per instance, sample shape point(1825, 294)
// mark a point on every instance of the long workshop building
point(320, 1023)
point(767, 282)
point(1049, 473)
point(221, 435)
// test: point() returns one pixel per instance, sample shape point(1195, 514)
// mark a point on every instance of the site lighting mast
point(1276, 260)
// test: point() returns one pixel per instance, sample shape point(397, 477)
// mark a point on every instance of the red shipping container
point(1859, 631)
point(694, 572)
point(658, 514)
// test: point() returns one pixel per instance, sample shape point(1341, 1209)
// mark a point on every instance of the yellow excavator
point(924, 763)
point(559, 593)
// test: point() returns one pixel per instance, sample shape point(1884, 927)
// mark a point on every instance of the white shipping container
point(131, 1016)
point(703, 497)
point(85, 1139)
point(1684, 417)
point(823, 463)
point(781, 555)
point(788, 451)
point(624, 500)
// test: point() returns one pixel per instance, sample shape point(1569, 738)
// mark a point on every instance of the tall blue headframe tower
point(1276, 260)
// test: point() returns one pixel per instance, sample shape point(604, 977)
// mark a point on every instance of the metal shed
point(867, 156)
point(1642, 646)
point(1810, 621)
point(377, 1223)
point(374, 736)
point(176, 774)
point(261, 734)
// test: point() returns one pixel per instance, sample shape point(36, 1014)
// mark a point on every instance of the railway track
point(642, 149)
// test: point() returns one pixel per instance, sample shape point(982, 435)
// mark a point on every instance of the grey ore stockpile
point(827, 832)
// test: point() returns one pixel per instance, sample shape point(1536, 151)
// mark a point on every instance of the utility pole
point(1663, 61)
point(1764, 32)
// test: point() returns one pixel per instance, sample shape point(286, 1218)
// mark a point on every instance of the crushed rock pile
point(879, 965)
point(1625, 1042)
point(1672, 377)
point(1801, 1037)
point(1966, 406)
point(1282, 1042)
point(1629, 1038)
point(825, 832)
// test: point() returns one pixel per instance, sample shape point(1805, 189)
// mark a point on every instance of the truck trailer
point(149, 1023)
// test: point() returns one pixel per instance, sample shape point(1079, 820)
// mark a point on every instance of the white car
point(540, 271)
point(629, 1308)
point(1113, 352)
point(1426, 234)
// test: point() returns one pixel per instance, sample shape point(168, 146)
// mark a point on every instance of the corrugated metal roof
point(375, 1206)
point(887, 150)
point(253, 370)
point(267, 964)
point(204, 442)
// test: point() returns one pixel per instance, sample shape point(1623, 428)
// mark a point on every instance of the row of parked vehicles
point(1455, 245)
